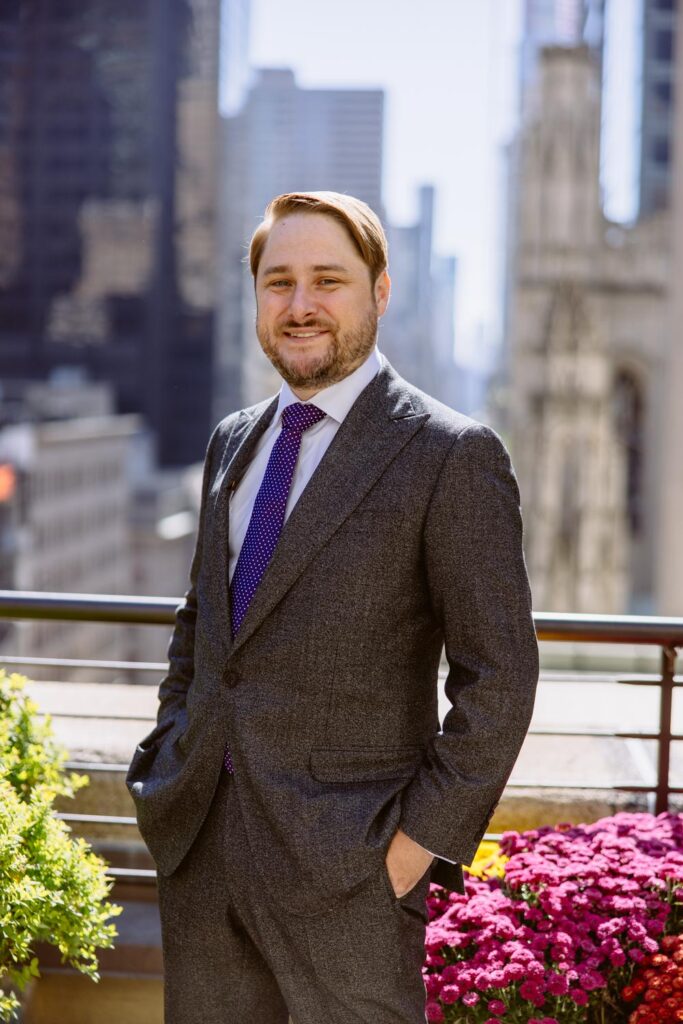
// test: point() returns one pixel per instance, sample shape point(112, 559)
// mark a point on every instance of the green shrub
point(53, 888)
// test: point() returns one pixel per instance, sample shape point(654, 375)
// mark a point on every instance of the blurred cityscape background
point(524, 159)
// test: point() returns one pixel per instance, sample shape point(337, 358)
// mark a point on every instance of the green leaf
point(53, 887)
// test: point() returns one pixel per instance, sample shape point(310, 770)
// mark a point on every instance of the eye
point(325, 281)
point(278, 284)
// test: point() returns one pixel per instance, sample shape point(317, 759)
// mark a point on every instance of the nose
point(302, 303)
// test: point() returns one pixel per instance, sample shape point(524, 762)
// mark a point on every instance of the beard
point(344, 353)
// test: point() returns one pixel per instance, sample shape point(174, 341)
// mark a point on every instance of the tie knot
point(300, 417)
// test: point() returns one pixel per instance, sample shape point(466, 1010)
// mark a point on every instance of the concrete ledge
point(70, 998)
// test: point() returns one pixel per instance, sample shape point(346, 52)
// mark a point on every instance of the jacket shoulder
point(444, 422)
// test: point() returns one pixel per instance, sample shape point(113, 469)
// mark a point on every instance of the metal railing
point(664, 633)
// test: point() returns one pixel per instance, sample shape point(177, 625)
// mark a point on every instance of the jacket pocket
point(364, 764)
point(154, 738)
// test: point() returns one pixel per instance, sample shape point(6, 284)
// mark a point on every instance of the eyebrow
point(284, 268)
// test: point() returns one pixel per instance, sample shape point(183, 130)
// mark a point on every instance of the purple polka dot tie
point(268, 514)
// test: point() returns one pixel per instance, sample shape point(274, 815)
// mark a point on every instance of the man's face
point(317, 309)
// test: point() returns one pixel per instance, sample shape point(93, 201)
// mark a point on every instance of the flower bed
point(562, 926)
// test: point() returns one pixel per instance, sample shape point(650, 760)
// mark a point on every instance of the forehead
point(308, 239)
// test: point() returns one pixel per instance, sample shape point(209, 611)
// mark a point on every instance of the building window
point(629, 410)
point(663, 93)
point(663, 45)
point(126, 314)
point(661, 150)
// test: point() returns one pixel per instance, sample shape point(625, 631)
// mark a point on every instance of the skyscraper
point(108, 114)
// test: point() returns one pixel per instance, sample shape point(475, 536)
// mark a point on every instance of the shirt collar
point(337, 399)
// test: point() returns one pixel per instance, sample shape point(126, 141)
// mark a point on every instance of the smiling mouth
point(304, 335)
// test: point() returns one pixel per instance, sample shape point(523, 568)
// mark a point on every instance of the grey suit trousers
point(233, 957)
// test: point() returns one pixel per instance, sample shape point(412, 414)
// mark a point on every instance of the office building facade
point(108, 122)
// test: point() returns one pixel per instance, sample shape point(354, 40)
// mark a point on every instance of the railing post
point(665, 715)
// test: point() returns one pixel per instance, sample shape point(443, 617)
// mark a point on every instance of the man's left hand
point(406, 863)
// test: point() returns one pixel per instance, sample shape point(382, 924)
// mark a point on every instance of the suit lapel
point(380, 423)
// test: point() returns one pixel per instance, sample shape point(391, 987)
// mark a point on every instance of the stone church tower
point(586, 344)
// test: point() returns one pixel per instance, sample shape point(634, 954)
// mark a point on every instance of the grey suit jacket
point(407, 537)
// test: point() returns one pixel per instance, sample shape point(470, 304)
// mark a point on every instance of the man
point(298, 793)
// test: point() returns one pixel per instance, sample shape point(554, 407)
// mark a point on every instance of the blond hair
point(360, 222)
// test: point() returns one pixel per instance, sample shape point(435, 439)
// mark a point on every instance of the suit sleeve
point(480, 594)
point(175, 684)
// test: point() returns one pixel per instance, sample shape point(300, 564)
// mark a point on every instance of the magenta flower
point(577, 908)
point(497, 1007)
point(434, 1013)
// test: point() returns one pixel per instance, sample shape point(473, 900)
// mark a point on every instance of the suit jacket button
point(231, 677)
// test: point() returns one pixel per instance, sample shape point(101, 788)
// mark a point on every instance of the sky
point(449, 70)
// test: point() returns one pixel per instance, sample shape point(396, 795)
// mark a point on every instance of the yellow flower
point(488, 862)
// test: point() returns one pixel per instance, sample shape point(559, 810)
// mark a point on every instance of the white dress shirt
point(336, 401)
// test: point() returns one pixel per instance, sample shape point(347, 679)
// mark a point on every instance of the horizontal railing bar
point(95, 766)
point(631, 787)
point(606, 679)
point(15, 604)
point(599, 733)
point(559, 626)
point(89, 714)
point(582, 676)
point(142, 666)
point(97, 819)
point(132, 874)
point(87, 682)
point(592, 675)
point(604, 733)
point(661, 631)
point(654, 681)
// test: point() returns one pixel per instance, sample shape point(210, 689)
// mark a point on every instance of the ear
point(382, 292)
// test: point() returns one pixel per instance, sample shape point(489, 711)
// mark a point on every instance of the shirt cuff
point(439, 857)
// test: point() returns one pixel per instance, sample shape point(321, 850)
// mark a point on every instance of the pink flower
point(433, 983)
point(576, 908)
point(590, 980)
point(557, 984)
point(450, 994)
point(531, 991)
point(497, 1007)
point(435, 1014)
